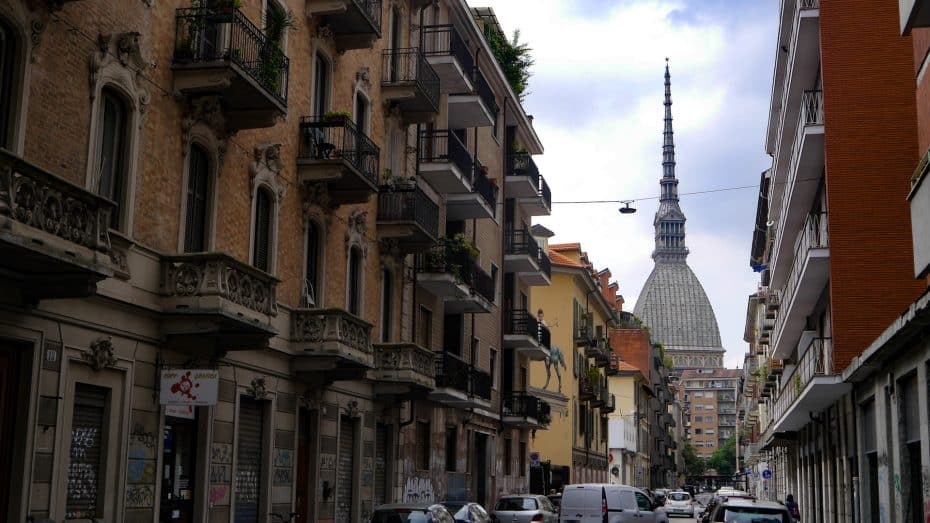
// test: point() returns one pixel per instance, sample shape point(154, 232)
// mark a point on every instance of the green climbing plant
point(514, 57)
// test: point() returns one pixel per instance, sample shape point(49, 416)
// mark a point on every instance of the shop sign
point(189, 386)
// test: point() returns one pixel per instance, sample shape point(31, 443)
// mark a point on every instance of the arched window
point(355, 281)
point(9, 83)
point(198, 200)
point(387, 302)
point(113, 140)
point(320, 85)
point(312, 270)
point(261, 247)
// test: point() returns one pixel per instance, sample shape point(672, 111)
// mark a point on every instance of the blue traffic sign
point(766, 474)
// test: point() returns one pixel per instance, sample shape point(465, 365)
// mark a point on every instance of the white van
point(603, 503)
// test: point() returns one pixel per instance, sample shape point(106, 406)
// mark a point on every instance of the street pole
point(739, 471)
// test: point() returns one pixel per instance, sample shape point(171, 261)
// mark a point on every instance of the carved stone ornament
point(257, 388)
point(352, 410)
point(118, 59)
point(208, 111)
point(120, 261)
point(357, 227)
point(264, 170)
point(363, 76)
point(316, 195)
point(100, 355)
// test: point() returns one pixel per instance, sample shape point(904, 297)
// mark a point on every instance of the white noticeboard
point(189, 386)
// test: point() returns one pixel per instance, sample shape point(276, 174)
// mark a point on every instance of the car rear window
point(517, 504)
point(752, 515)
point(400, 516)
point(581, 498)
point(679, 496)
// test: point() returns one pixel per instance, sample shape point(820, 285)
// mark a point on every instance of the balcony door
point(395, 44)
point(452, 332)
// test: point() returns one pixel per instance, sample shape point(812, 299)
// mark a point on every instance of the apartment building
point(262, 257)
point(833, 242)
point(708, 398)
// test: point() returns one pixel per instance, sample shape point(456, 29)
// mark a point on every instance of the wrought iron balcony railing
point(372, 10)
point(338, 138)
point(408, 66)
point(210, 34)
point(521, 242)
point(586, 389)
point(445, 259)
point(483, 186)
point(444, 40)
point(523, 405)
point(408, 205)
point(481, 384)
point(486, 94)
point(455, 373)
point(814, 362)
point(521, 322)
point(522, 164)
point(444, 146)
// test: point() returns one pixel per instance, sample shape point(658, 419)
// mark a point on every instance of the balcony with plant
point(334, 151)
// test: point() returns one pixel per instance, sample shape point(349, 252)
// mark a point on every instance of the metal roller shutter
point(84, 466)
point(344, 470)
point(249, 460)
point(381, 460)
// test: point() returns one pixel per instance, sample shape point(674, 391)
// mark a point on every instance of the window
point(423, 445)
point(451, 447)
point(355, 281)
point(9, 80)
point(198, 200)
point(85, 484)
point(261, 236)
point(387, 295)
point(521, 449)
point(709, 394)
point(698, 394)
point(604, 428)
point(361, 112)
point(698, 431)
point(709, 407)
point(698, 419)
point(709, 419)
point(320, 85)
point(312, 270)
point(493, 368)
point(581, 419)
point(249, 466)
point(508, 455)
point(425, 328)
point(111, 158)
point(642, 501)
point(494, 272)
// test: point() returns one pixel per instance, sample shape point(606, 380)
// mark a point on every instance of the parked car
point(660, 496)
point(556, 500)
point(467, 512)
point(722, 495)
point(410, 513)
point(524, 509)
point(741, 510)
point(679, 503)
point(599, 503)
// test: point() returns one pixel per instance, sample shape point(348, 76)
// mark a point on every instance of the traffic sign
point(766, 474)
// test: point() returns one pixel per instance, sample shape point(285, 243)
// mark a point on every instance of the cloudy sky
point(596, 95)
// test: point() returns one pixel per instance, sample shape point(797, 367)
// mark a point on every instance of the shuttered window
point(111, 156)
point(312, 269)
point(387, 295)
point(423, 445)
point(249, 460)
point(345, 473)
point(261, 251)
point(85, 467)
point(910, 409)
point(8, 83)
point(355, 280)
point(195, 235)
point(381, 463)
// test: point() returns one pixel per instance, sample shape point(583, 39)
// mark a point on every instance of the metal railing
point(483, 186)
point(521, 242)
point(205, 34)
point(444, 40)
point(481, 384)
point(521, 322)
point(814, 362)
point(408, 205)
point(453, 372)
point(372, 10)
point(444, 146)
point(486, 94)
point(408, 66)
point(545, 192)
point(445, 259)
point(523, 405)
point(813, 235)
point(337, 137)
point(522, 164)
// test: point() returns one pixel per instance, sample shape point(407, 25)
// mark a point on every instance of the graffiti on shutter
point(84, 465)
point(381, 449)
point(345, 469)
point(249, 460)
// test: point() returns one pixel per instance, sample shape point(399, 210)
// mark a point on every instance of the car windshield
point(400, 515)
point(679, 496)
point(752, 515)
point(516, 504)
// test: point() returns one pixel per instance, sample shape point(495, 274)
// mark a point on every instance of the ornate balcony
point(445, 163)
point(213, 301)
point(526, 411)
point(477, 108)
point(480, 202)
point(404, 369)
point(407, 216)
point(450, 57)
point(218, 51)
point(526, 335)
point(459, 384)
point(54, 241)
point(523, 182)
point(409, 82)
point(354, 24)
point(524, 257)
point(453, 275)
point(331, 344)
point(332, 150)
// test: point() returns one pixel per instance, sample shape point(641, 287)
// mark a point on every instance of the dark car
point(411, 513)
point(467, 512)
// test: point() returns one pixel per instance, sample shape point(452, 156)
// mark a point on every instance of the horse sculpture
point(555, 359)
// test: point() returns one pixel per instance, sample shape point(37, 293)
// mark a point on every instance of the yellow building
point(578, 307)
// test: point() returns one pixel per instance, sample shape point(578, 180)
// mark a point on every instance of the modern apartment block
point(708, 399)
point(262, 257)
point(833, 244)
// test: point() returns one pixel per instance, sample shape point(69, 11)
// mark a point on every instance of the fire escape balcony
point(478, 203)
point(407, 216)
point(409, 83)
point(524, 257)
point(813, 386)
point(445, 163)
point(525, 411)
point(476, 108)
point(455, 276)
point(450, 57)
point(524, 183)
point(332, 150)
point(215, 302)
point(404, 369)
point(354, 24)
point(809, 274)
point(523, 333)
point(218, 51)
point(459, 384)
point(331, 344)
point(54, 239)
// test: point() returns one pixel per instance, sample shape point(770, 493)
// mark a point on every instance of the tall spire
point(669, 221)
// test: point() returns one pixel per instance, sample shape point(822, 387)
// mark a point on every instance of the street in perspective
point(477, 261)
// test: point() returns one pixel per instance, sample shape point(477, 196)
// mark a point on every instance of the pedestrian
point(793, 508)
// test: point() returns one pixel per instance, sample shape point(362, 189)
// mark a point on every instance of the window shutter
point(344, 474)
point(249, 460)
point(84, 469)
point(262, 234)
point(312, 269)
point(197, 186)
point(381, 461)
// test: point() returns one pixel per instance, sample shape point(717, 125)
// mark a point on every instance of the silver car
point(525, 509)
point(679, 503)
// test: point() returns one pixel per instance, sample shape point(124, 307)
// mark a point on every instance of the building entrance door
point(179, 458)
point(9, 382)
point(481, 467)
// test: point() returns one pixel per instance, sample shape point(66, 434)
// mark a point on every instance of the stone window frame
point(16, 17)
point(282, 5)
point(202, 135)
point(117, 65)
point(362, 87)
point(389, 265)
point(314, 214)
point(317, 49)
point(264, 171)
point(355, 239)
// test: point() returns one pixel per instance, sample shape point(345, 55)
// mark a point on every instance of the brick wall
point(634, 347)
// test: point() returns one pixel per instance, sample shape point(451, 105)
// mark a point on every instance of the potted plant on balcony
point(277, 23)
point(339, 117)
